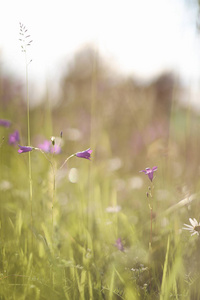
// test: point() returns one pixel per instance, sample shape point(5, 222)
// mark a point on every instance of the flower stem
point(66, 160)
point(53, 199)
point(151, 214)
point(54, 189)
point(151, 209)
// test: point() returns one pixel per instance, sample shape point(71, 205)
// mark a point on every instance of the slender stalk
point(54, 183)
point(25, 43)
point(28, 104)
point(149, 195)
point(66, 160)
point(54, 186)
point(29, 143)
point(53, 200)
point(151, 219)
point(30, 189)
point(53, 196)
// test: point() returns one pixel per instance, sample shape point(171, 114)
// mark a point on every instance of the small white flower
point(53, 140)
point(194, 228)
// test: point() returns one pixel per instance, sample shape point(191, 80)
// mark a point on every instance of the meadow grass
point(91, 232)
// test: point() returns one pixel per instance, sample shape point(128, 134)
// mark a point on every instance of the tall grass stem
point(29, 143)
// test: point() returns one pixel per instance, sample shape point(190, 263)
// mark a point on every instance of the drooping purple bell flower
point(23, 149)
point(84, 154)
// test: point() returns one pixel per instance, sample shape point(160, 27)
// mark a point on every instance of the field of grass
point(99, 228)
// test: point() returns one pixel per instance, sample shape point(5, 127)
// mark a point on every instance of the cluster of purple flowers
point(47, 146)
point(54, 149)
point(14, 136)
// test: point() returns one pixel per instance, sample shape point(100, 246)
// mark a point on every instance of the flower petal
point(191, 229)
point(190, 226)
point(195, 232)
point(154, 169)
point(84, 154)
point(150, 175)
point(143, 171)
point(24, 149)
point(193, 222)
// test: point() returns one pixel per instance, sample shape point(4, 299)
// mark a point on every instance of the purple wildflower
point(24, 149)
point(84, 154)
point(119, 244)
point(47, 147)
point(5, 123)
point(14, 138)
point(149, 172)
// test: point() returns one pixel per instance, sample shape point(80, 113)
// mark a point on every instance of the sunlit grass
point(79, 211)
point(83, 261)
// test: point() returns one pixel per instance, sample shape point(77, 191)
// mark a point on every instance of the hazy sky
point(141, 37)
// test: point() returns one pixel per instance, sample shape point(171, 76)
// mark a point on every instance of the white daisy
point(194, 228)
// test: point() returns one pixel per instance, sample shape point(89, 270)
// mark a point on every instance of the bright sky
point(141, 37)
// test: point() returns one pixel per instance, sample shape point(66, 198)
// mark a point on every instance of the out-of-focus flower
point(84, 154)
point(55, 149)
point(47, 147)
point(14, 138)
point(119, 244)
point(73, 175)
point(5, 185)
point(113, 209)
point(194, 228)
point(5, 123)
point(23, 149)
point(114, 164)
point(73, 134)
point(135, 182)
point(149, 172)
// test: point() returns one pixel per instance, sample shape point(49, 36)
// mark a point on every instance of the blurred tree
point(132, 113)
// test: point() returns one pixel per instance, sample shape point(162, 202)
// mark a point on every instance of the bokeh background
point(123, 78)
point(106, 74)
point(141, 39)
